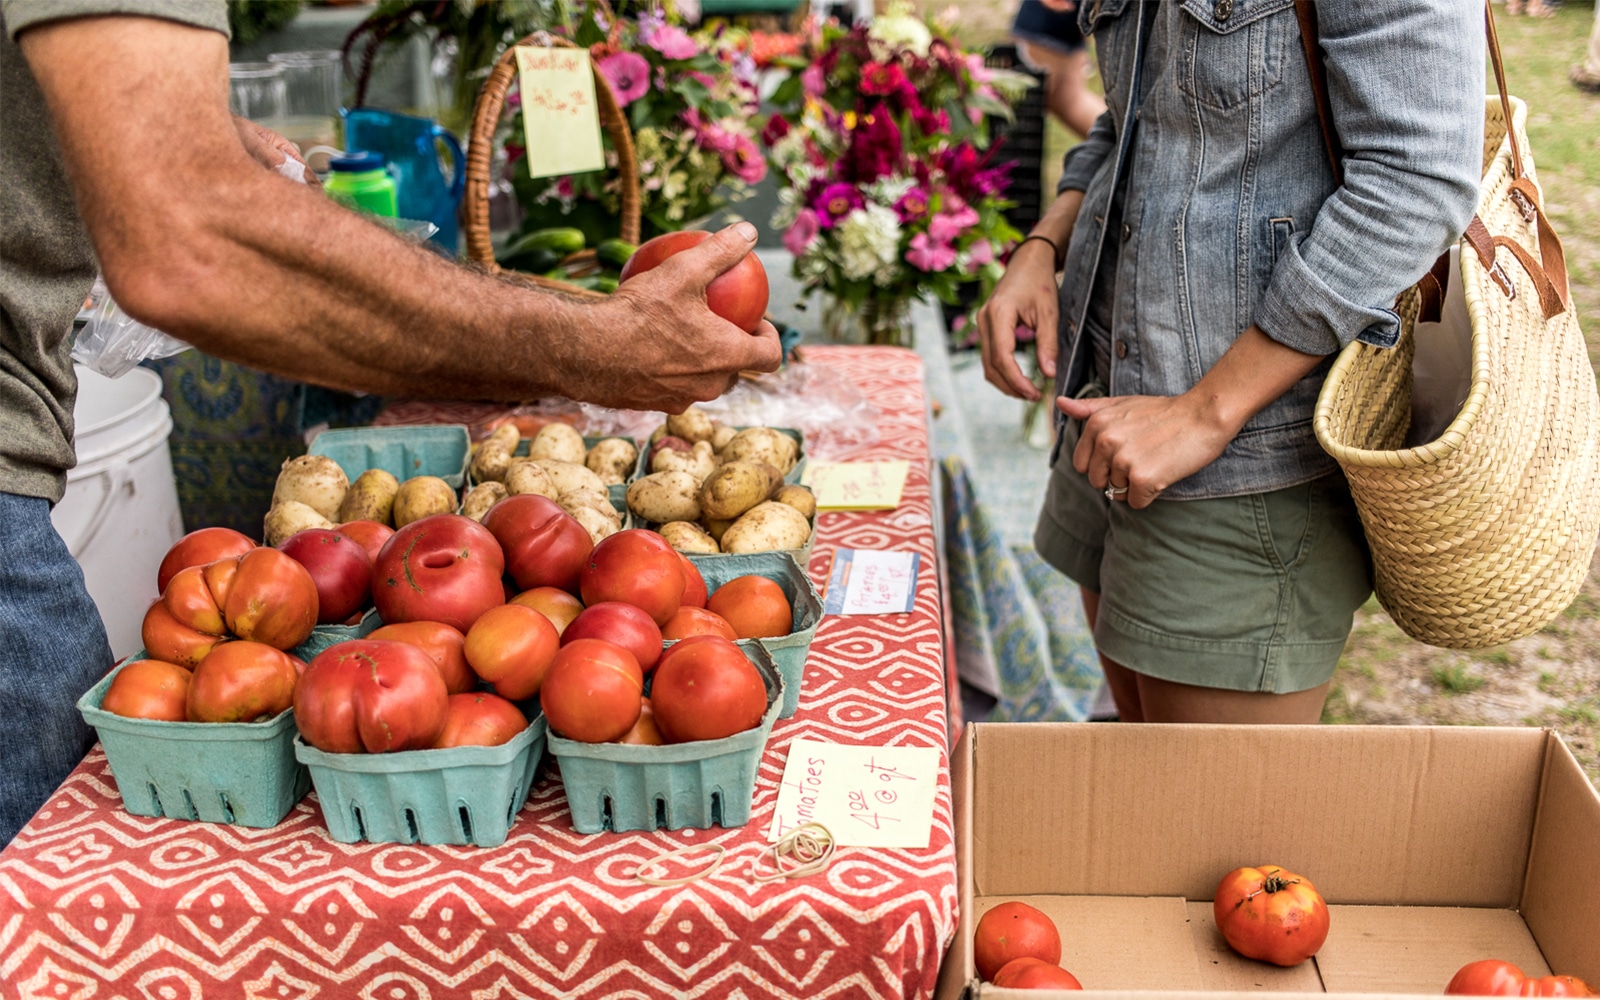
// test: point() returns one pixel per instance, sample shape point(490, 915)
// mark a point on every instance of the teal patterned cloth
point(1016, 617)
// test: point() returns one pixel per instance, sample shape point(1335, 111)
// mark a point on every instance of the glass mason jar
point(876, 321)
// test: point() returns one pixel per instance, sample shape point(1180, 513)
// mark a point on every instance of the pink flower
point(929, 255)
point(882, 79)
point(932, 122)
point(976, 69)
point(628, 74)
point(836, 202)
point(803, 232)
point(813, 82)
point(673, 42)
point(981, 252)
point(715, 138)
point(744, 160)
point(912, 205)
point(564, 189)
point(946, 226)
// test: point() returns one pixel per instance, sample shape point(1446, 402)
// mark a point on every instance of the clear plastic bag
point(112, 343)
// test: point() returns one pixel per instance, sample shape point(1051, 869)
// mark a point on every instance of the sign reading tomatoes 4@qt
point(866, 796)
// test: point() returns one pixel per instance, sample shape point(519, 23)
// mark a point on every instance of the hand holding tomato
point(1491, 977)
point(1270, 915)
point(1011, 931)
point(738, 294)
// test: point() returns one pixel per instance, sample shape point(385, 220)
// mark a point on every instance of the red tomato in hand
point(739, 295)
point(1033, 974)
point(166, 638)
point(441, 642)
point(705, 690)
point(241, 682)
point(373, 697)
point(191, 603)
point(694, 585)
point(554, 603)
point(1011, 931)
point(273, 600)
point(479, 719)
point(149, 689)
point(340, 568)
point(370, 535)
point(592, 692)
point(627, 626)
point(697, 621)
point(544, 545)
point(511, 647)
point(1270, 915)
point(200, 547)
point(635, 567)
point(443, 568)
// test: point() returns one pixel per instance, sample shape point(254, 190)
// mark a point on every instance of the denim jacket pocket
point(1233, 50)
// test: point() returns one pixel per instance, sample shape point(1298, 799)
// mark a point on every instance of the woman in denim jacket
point(1211, 267)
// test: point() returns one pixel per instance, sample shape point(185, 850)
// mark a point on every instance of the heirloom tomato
point(241, 682)
point(592, 691)
point(166, 638)
point(511, 647)
point(1491, 977)
point(443, 568)
point(372, 696)
point(1556, 986)
point(738, 295)
point(441, 642)
point(1035, 974)
point(197, 548)
point(1011, 931)
point(755, 606)
point(1271, 915)
point(340, 568)
point(149, 689)
point(544, 545)
point(554, 603)
point(697, 621)
point(370, 535)
point(627, 626)
point(694, 585)
point(479, 719)
point(191, 602)
point(272, 600)
point(705, 689)
point(635, 567)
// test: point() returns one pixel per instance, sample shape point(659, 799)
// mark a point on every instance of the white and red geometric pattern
point(97, 903)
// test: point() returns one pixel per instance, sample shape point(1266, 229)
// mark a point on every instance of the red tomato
point(1011, 931)
point(219, 579)
point(1488, 977)
point(697, 621)
point(739, 295)
point(1556, 986)
point(627, 626)
point(190, 601)
point(706, 690)
point(444, 568)
point(592, 691)
point(544, 545)
point(479, 719)
point(1270, 915)
point(554, 603)
point(373, 697)
point(241, 682)
point(755, 606)
point(635, 567)
point(694, 585)
point(1033, 974)
point(273, 600)
point(441, 642)
point(200, 547)
point(166, 638)
point(370, 535)
point(644, 732)
point(149, 689)
point(340, 568)
point(511, 647)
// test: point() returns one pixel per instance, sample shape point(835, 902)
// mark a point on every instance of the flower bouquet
point(690, 99)
point(889, 189)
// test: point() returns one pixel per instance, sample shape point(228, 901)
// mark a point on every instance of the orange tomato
point(552, 602)
point(166, 638)
point(149, 689)
point(442, 642)
point(697, 621)
point(511, 647)
point(190, 600)
point(755, 606)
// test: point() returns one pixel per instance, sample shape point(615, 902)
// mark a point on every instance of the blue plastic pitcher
point(410, 144)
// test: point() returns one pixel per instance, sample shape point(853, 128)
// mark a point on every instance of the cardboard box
point(1434, 846)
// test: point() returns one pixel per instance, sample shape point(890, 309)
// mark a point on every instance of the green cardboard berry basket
point(324, 636)
point(243, 773)
point(618, 492)
point(462, 796)
point(706, 783)
point(404, 452)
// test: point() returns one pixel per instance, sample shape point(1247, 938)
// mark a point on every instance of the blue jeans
point(53, 648)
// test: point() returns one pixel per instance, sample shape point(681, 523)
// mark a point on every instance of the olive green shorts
point(1248, 593)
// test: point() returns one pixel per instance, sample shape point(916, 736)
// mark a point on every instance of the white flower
point(789, 201)
point(869, 242)
point(900, 28)
point(888, 190)
point(789, 151)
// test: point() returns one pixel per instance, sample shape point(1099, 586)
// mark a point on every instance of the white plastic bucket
point(120, 512)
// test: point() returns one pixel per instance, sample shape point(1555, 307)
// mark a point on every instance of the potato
point(506, 435)
point(422, 496)
point(314, 480)
point(559, 442)
point(699, 463)
point(600, 502)
point(613, 460)
point(717, 526)
point(370, 498)
point(595, 523)
point(569, 476)
point(733, 489)
point(665, 496)
point(768, 527)
point(800, 498)
point(692, 425)
point(686, 536)
point(762, 444)
point(284, 519)
point(721, 434)
point(527, 476)
point(481, 497)
point(491, 460)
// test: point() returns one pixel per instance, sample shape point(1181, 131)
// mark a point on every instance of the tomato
point(479, 719)
point(166, 638)
point(441, 642)
point(739, 295)
point(1556, 986)
point(694, 585)
point(370, 535)
point(1491, 977)
point(1034, 974)
point(219, 579)
point(627, 626)
point(149, 689)
point(697, 621)
point(189, 600)
point(241, 682)
point(592, 692)
point(371, 696)
point(273, 600)
point(443, 568)
point(511, 647)
point(705, 690)
point(755, 606)
point(1270, 915)
point(544, 545)
point(200, 547)
point(1010, 931)
point(644, 731)
point(635, 567)
point(340, 568)
point(554, 603)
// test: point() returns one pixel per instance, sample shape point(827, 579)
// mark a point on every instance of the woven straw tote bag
point(1484, 532)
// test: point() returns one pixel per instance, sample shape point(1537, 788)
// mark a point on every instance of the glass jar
point(876, 321)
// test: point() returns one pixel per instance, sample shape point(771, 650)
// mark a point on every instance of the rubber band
point(810, 845)
point(661, 859)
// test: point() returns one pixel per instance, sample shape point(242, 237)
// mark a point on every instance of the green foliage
point(250, 19)
point(1455, 679)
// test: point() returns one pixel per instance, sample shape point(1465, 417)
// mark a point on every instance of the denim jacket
point(1229, 214)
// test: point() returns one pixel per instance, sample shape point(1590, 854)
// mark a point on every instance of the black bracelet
point(1055, 250)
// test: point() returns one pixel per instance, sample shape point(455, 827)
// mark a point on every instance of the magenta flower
point(744, 160)
point(932, 122)
point(912, 205)
point(715, 138)
point(673, 42)
point(776, 128)
point(882, 79)
point(813, 82)
point(930, 255)
point(836, 202)
point(628, 74)
point(803, 232)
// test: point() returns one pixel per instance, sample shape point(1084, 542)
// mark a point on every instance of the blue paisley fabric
point(1016, 617)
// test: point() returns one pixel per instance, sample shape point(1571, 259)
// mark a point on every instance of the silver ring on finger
point(1116, 492)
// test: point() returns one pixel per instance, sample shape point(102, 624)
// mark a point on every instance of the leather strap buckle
point(1530, 211)
point(1503, 279)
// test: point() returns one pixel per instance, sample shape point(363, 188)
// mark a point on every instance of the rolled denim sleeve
point(1406, 81)
point(1082, 161)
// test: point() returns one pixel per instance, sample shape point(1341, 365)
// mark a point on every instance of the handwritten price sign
point(857, 485)
point(865, 796)
point(871, 582)
point(560, 119)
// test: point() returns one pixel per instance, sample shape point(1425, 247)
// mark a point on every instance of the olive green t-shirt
point(46, 262)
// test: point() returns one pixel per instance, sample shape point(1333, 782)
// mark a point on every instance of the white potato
point(314, 480)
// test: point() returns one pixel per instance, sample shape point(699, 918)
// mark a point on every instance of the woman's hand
point(1026, 295)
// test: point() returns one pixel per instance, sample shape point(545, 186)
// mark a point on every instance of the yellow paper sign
point(857, 485)
point(866, 796)
point(560, 119)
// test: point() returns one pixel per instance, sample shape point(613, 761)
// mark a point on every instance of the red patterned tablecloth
point(97, 903)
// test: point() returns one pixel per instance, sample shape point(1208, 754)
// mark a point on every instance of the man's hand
point(270, 149)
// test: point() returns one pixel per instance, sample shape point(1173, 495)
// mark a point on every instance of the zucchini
point(539, 251)
point(614, 253)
